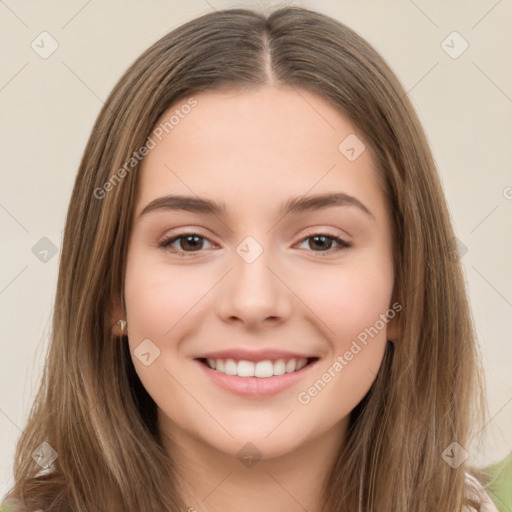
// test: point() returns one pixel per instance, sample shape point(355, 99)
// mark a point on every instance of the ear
point(116, 313)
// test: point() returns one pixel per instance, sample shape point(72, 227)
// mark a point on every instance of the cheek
point(160, 304)
point(347, 300)
point(159, 296)
point(350, 305)
point(153, 304)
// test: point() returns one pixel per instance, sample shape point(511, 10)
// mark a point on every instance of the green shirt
point(498, 482)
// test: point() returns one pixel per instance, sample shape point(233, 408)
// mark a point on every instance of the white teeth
point(301, 363)
point(290, 366)
point(246, 369)
point(230, 367)
point(279, 367)
point(262, 369)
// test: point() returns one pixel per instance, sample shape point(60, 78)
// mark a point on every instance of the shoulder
point(13, 505)
point(10, 505)
point(498, 478)
point(475, 490)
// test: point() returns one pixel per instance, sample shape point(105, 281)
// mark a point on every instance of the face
point(253, 280)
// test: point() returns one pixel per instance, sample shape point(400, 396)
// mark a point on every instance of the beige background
point(49, 105)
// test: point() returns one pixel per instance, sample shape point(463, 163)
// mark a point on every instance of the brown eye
point(324, 243)
point(187, 243)
point(193, 242)
point(321, 241)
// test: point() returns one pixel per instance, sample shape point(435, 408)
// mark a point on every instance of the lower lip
point(255, 386)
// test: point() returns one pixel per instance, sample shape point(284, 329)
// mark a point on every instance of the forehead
point(269, 119)
point(256, 148)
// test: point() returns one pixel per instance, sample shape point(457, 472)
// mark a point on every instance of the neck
point(215, 481)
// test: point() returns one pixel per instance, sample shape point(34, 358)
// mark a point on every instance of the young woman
point(259, 304)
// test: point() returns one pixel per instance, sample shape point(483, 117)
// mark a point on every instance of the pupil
point(322, 238)
point(194, 246)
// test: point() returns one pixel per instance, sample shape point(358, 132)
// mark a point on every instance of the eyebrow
point(293, 205)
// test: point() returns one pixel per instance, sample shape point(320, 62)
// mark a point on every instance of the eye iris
point(195, 245)
point(322, 241)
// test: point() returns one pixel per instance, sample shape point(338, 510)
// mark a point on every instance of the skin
point(254, 150)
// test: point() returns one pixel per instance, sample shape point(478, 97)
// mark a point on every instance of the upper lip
point(253, 355)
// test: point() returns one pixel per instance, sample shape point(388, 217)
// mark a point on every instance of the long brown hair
point(91, 407)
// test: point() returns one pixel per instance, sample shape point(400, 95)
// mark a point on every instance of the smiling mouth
point(263, 369)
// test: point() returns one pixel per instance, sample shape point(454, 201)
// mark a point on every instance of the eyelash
point(166, 243)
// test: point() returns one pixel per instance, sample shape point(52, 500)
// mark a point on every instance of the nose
point(254, 294)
